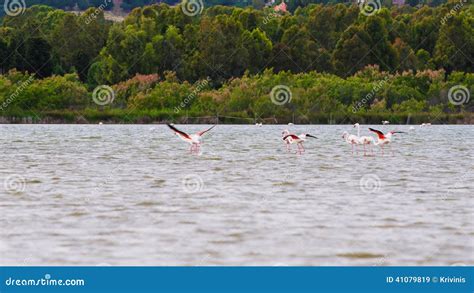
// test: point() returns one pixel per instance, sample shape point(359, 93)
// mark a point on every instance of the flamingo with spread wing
point(193, 139)
point(384, 139)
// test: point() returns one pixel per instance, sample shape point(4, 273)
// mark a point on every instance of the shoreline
point(81, 120)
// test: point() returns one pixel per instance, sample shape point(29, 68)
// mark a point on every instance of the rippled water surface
point(133, 195)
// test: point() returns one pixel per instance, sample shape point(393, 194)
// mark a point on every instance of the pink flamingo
point(193, 139)
point(298, 139)
point(384, 139)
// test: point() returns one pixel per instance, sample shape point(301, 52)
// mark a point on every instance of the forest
point(129, 5)
point(330, 62)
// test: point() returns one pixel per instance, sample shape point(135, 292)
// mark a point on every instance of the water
point(133, 195)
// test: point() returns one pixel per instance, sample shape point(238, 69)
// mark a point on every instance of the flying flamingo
point(364, 140)
point(193, 139)
point(384, 139)
point(298, 139)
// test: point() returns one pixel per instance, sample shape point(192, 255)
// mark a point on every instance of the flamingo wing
point(179, 132)
point(200, 133)
point(379, 133)
point(291, 135)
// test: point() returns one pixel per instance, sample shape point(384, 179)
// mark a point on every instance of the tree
point(455, 46)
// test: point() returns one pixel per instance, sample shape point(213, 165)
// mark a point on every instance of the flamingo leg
point(352, 148)
point(365, 151)
point(302, 147)
point(300, 151)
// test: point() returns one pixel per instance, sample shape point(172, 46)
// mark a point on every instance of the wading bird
point(193, 139)
point(385, 122)
point(384, 139)
point(290, 139)
point(364, 140)
point(351, 139)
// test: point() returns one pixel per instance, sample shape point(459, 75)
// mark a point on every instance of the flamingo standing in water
point(193, 139)
point(290, 139)
point(364, 140)
point(351, 139)
point(384, 139)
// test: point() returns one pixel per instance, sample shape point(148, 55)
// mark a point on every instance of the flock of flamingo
point(382, 140)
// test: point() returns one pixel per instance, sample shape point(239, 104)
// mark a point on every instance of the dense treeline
point(128, 5)
point(371, 95)
point(322, 52)
point(63, 4)
point(227, 41)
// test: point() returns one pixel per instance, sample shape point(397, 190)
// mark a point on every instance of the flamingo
point(193, 139)
point(284, 134)
point(351, 139)
point(384, 139)
point(364, 140)
point(298, 139)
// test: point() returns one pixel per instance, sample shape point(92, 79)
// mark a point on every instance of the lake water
point(133, 195)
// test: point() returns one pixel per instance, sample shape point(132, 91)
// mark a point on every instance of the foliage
point(335, 60)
